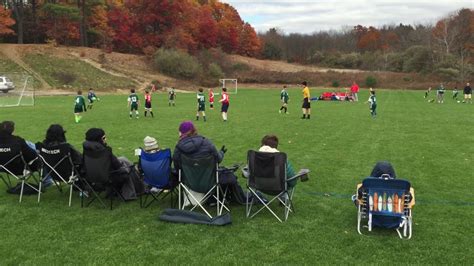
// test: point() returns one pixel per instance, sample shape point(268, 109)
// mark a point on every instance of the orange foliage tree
point(6, 21)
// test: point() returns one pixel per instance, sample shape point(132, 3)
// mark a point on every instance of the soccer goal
point(23, 92)
point(230, 84)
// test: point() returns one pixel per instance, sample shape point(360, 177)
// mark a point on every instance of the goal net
point(23, 93)
point(230, 84)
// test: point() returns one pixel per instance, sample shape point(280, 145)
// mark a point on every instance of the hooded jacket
point(29, 155)
point(92, 148)
point(195, 147)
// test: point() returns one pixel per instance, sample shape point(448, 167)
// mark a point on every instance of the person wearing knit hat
point(193, 145)
point(150, 145)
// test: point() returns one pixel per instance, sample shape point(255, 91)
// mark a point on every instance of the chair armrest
point(302, 175)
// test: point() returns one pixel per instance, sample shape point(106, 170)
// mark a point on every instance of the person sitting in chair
point(56, 135)
point(96, 143)
point(270, 144)
point(193, 145)
point(27, 149)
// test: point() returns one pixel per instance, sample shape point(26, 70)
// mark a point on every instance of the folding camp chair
point(267, 175)
point(200, 175)
point(97, 178)
point(13, 164)
point(386, 203)
point(58, 164)
point(156, 171)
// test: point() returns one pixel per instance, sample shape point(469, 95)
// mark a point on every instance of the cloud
point(317, 15)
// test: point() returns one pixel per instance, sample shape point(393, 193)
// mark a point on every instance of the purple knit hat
point(186, 126)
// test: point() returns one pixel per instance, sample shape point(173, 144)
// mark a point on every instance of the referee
point(306, 101)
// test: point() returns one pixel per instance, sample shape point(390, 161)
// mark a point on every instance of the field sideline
point(429, 144)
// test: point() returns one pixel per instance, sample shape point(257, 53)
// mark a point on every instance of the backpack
point(228, 180)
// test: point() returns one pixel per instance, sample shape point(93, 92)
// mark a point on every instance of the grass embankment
point(428, 144)
point(61, 72)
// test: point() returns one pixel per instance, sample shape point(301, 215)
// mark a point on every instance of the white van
point(6, 84)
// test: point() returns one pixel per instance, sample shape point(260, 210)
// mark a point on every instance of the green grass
point(428, 144)
point(82, 74)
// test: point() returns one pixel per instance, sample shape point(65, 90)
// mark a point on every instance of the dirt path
point(9, 50)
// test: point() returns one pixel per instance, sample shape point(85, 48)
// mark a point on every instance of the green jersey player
point(284, 97)
point(79, 106)
point(133, 102)
point(201, 104)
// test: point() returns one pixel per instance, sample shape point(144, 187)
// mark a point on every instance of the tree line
point(445, 48)
point(131, 26)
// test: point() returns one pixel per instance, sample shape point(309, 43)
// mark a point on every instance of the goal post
point(230, 84)
point(22, 95)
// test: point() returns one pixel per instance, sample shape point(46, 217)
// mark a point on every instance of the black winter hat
point(95, 134)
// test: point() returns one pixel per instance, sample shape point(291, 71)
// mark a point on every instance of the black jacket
point(92, 148)
point(76, 156)
point(195, 147)
point(29, 154)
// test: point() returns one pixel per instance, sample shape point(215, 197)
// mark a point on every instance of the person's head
point(284, 87)
point(467, 84)
point(97, 135)
point(224, 89)
point(150, 144)
point(383, 168)
point(7, 127)
point(200, 90)
point(304, 83)
point(91, 90)
point(55, 133)
point(132, 90)
point(187, 129)
point(270, 140)
point(79, 92)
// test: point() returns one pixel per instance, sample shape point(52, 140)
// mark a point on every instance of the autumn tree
point(6, 22)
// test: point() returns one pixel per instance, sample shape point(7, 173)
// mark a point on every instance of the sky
point(322, 15)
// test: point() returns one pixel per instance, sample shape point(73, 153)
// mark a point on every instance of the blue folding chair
point(156, 171)
point(386, 203)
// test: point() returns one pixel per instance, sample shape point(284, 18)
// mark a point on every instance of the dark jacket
point(92, 148)
point(29, 154)
point(76, 156)
point(195, 147)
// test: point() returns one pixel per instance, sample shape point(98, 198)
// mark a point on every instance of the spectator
point(96, 143)
point(56, 135)
point(355, 91)
point(467, 93)
point(270, 144)
point(27, 148)
point(193, 145)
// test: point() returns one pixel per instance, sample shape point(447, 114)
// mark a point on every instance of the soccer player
point(455, 93)
point(133, 103)
point(427, 92)
point(372, 104)
point(211, 99)
point(467, 93)
point(79, 106)
point(225, 104)
point(171, 97)
point(148, 104)
point(440, 93)
point(91, 97)
point(284, 97)
point(201, 100)
point(306, 101)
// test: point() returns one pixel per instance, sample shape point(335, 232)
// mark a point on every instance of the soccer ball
point(459, 101)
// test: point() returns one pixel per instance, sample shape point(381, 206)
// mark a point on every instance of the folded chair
point(156, 171)
point(13, 164)
point(267, 175)
point(386, 203)
point(200, 175)
point(97, 179)
point(57, 163)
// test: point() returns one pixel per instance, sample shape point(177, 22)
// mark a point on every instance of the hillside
point(69, 68)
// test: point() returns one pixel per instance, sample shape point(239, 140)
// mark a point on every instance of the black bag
point(27, 190)
point(228, 180)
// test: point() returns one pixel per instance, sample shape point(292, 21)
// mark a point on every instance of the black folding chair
point(57, 164)
point(200, 175)
point(267, 175)
point(98, 178)
point(13, 164)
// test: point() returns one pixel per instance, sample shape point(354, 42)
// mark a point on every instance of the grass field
point(429, 144)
